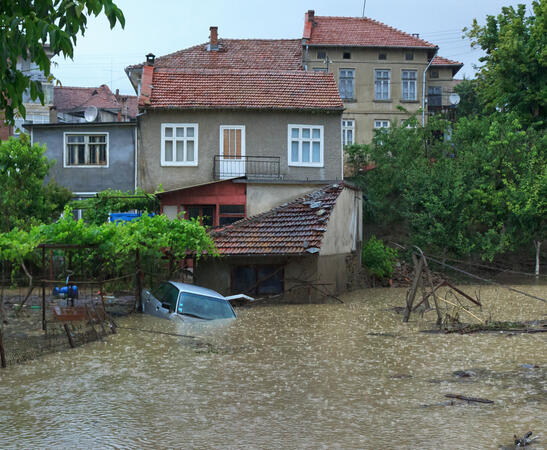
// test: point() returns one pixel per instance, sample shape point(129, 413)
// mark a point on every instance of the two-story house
point(377, 68)
point(242, 111)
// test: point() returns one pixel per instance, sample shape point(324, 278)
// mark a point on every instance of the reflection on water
point(341, 375)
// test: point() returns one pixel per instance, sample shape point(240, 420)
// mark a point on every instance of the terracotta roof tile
point(294, 228)
point(360, 32)
point(440, 61)
point(71, 98)
point(244, 89)
point(260, 54)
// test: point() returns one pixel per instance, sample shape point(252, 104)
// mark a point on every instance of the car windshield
point(204, 307)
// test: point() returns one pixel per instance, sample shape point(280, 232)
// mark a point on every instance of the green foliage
point(97, 209)
point(470, 105)
point(28, 25)
point(378, 258)
point(24, 200)
point(513, 77)
point(113, 246)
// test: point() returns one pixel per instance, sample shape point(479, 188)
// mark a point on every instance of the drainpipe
point(423, 87)
point(306, 59)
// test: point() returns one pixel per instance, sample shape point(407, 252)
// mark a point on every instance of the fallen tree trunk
point(469, 399)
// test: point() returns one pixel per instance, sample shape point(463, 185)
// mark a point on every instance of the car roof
point(193, 289)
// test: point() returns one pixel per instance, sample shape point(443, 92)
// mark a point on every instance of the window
point(434, 74)
point(382, 84)
point(434, 96)
point(348, 132)
point(306, 145)
point(179, 144)
point(346, 87)
point(321, 54)
point(382, 56)
point(409, 84)
point(320, 69)
point(204, 213)
point(409, 56)
point(346, 55)
point(230, 213)
point(258, 280)
point(381, 123)
point(86, 150)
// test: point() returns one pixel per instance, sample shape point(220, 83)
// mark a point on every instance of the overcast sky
point(165, 26)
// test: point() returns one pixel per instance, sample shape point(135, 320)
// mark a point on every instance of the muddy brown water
point(308, 376)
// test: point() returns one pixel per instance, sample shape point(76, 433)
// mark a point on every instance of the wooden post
point(43, 289)
point(69, 336)
point(138, 284)
point(413, 288)
point(90, 319)
point(100, 320)
point(2, 353)
point(430, 281)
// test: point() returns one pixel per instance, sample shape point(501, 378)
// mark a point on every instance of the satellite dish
point(454, 99)
point(90, 113)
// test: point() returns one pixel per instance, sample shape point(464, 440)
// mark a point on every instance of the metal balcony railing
point(262, 167)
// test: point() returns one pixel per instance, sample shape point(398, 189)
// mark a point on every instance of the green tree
point(513, 77)
point(26, 26)
point(24, 200)
point(469, 105)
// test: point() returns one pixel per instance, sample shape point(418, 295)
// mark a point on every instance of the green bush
point(378, 258)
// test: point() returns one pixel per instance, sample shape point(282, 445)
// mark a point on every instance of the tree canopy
point(24, 199)
point(513, 77)
point(27, 26)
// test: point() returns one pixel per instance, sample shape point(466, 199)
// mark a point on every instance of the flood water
point(310, 376)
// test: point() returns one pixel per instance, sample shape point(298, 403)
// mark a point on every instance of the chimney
point(416, 35)
point(52, 114)
point(308, 24)
point(146, 80)
point(311, 15)
point(213, 39)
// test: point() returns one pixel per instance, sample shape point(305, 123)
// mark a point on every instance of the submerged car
point(188, 302)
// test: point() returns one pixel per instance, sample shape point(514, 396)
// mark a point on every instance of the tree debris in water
point(469, 399)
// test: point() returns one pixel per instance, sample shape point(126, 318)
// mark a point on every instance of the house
point(240, 111)
point(35, 111)
point(377, 69)
point(92, 136)
point(305, 250)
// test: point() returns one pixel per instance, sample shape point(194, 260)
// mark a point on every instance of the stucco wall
point(265, 135)
point(345, 226)
point(120, 173)
point(263, 197)
point(364, 109)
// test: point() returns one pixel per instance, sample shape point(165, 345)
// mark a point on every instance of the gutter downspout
point(306, 59)
point(423, 87)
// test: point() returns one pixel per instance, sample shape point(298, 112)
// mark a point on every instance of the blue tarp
point(125, 217)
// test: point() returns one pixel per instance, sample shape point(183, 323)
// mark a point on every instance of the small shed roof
point(294, 228)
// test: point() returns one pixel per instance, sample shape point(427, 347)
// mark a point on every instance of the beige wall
point(263, 197)
point(265, 135)
point(345, 226)
point(365, 109)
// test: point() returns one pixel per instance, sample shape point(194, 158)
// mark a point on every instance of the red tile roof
point(70, 98)
point(260, 54)
point(440, 61)
point(294, 228)
point(359, 32)
point(243, 89)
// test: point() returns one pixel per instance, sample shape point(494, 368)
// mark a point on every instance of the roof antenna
point(364, 5)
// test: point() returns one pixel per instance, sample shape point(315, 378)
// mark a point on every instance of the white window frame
point(184, 139)
point(348, 125)
point(346, 81)
point(85, 166)
point(382, 123)
point(321, 140)
point(409, 82)
point(382, 81)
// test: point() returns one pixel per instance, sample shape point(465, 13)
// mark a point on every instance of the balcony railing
point(263, 167)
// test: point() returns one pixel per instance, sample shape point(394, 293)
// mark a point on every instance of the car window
point(170, 297)
point(204, 307)
point(160, 291)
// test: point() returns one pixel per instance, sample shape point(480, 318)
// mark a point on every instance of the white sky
point(165, 26)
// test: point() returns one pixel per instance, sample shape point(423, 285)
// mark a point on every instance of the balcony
point(256, 167)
